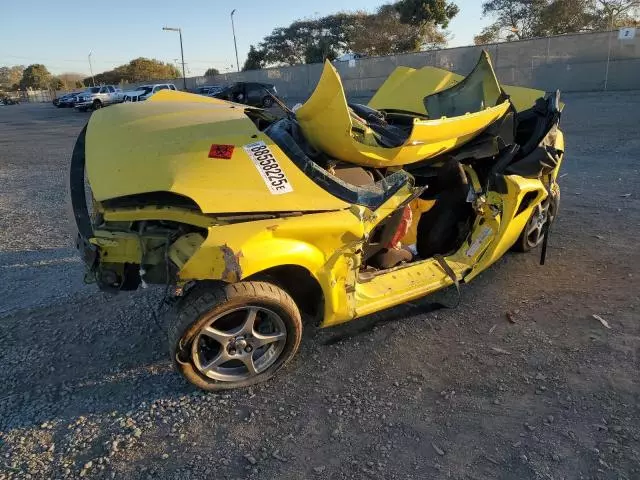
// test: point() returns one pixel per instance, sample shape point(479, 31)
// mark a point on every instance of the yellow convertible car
point(335, 211)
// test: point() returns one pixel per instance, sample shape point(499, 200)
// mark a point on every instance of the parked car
point(98, 97)
point(66, 100)
point(349, 56)
point(249, 93)
point(9, 100)
point(145, 91)
point(209, 90)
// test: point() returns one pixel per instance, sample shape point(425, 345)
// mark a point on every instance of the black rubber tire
point(522, 245)
point(206, 300)
point(267, 102)
point(97, 105)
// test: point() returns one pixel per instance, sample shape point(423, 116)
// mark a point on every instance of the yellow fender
point(324, 244)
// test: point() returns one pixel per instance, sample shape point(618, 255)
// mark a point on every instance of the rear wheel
point(533, 233)
point(97, 104)
point(231, 336)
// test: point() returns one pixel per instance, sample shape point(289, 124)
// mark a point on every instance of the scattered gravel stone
point(438, 450)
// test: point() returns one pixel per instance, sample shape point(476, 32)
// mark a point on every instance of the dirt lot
point(88, 391)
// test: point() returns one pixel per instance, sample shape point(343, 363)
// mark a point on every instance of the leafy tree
point(393, 35)
point(566, 16)
point(211, 72)
point(405, 26)
point(489, 34)
point(422, 12)
point(137, 70)
point(35, 76)
point(143, 69)
point(71, 80)
point(255, 59)
point(10, 76)
point(532, 18)
point(521, 17)
point(616, 13)
point(56, 83)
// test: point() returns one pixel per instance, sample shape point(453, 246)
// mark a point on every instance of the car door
point(111, 94)
point(103, 95)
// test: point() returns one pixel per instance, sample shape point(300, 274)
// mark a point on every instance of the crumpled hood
point(163, 145)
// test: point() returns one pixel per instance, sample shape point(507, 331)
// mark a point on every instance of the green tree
point(211, 72)
point(566, 16)
point(519, 17)
point(71, 80)
point(405, 26)
point(422, 12)
point(143, 69)
point(10, 76)
point(616, 13)
point(532, 18)
point(137, 70)
point(35, 76)
point(56, 83)
point(255, 59)
point(489, 34)
point(393, 36)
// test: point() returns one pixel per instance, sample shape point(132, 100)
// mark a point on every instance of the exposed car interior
point(442, 214)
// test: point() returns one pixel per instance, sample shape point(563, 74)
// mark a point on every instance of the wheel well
point(300, 284)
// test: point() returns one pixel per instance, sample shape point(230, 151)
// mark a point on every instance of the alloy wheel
point(535, 228)
point(239, 344)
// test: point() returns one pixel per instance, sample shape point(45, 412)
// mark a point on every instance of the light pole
point(233, 28)
point(93, 81)
point(179, 30)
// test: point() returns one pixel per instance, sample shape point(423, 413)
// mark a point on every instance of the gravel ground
point(520, 381)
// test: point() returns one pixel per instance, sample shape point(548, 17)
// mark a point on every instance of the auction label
point(269, 169)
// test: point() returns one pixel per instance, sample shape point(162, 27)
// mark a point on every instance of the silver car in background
point(97, 97)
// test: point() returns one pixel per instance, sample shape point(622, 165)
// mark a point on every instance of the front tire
point(232, 336)
point(97, 105)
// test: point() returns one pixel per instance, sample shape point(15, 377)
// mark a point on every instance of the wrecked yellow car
point(334, 211)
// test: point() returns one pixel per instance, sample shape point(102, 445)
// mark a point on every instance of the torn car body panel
point(406, 88)
point(329, 126)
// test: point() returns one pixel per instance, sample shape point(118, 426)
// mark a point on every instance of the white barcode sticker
point(477, 243)
point(269, 168)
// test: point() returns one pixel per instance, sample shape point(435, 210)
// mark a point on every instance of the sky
point(61, 34)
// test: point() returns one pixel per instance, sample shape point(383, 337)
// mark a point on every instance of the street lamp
point(179, 30)
point(93, 81)
point(234, 38)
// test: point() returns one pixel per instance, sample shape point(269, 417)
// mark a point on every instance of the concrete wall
point(568, 62)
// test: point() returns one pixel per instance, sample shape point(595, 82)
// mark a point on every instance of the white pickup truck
point(98, 97)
